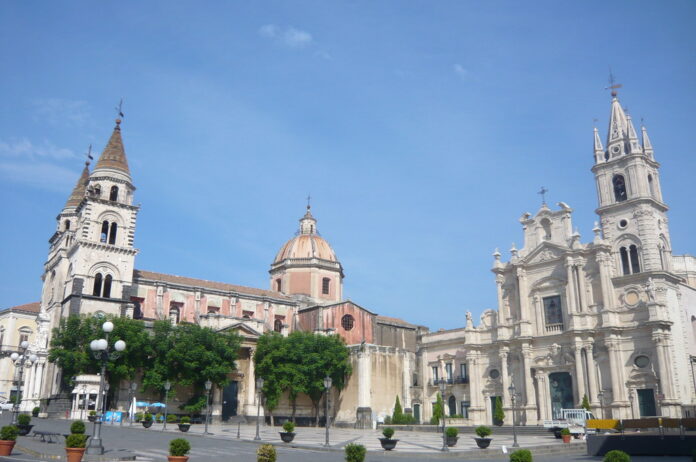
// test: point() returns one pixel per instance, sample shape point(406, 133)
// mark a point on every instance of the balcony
point(461, 379)
point(552, 328)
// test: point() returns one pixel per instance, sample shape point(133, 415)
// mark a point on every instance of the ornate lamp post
point(20, 359)
point(208, 386)
point(327, 388)
point(167, 387)
point(511, 389)
point(131, 394)
point(631, 396)
point(444, 433)
point(100, 350)
point(259, 386)
point(85, 402)
point(600, 396)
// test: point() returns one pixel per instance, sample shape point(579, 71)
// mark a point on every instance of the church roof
point(33, 307)
point(78, 191)
point(114, 156)
point(390, 320)
point(191, 282)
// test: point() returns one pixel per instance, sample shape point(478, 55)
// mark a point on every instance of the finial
point(309, 199)
point(89, 156)
point(543, 192)
point(613, 86)
point(119, 112)
point(496, 254)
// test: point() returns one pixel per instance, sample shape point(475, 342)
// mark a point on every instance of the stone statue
point(650, 290)
point(469, 320)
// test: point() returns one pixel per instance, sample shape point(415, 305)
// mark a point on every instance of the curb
point(86, 458)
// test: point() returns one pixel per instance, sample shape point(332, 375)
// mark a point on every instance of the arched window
point(278, 325)
point(279, 285)
point(104, 231)
point(113, 195)
point(452, 404)
point(107, 286)
point(651, 186)
point(546, 224)
point(635, 264)
point(96, 291)
point(97, 191)
point(325, 284)
point(24, 333)
point(66, 225)
point(112, 234)
point(619, 188)
point(624, 261)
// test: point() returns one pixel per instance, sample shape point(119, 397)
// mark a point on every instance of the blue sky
point(422, 130)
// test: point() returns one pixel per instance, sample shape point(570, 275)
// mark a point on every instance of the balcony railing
point(554, 327)
point(461, 379)
point(458, 379)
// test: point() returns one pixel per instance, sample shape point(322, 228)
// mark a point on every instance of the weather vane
point(119, 109)
point(613, 86)
point(543, 192)
point(309, 198)
point(89, 156)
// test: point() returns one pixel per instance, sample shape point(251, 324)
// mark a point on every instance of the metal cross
point(543, 192)
point(309, 205)
point(612, 85)
point(89, 155)
point(119, 109)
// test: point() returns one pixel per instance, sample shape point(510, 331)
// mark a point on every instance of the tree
point(271, 350)
point(498, 414)
point(437, 410)
point(585, 403)
point(71, 352)
point(398, 415)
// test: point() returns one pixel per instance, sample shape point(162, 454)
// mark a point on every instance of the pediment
point(242, 329)
point(547, 251)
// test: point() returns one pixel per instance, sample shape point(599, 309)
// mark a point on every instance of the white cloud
point(26, 149)
point(289, 36)
point(58, 111)
point(460, 71)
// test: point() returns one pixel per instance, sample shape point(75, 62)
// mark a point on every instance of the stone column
point(523, 294)
point(499, 279)
point(663, 363)
point(591, 376)
point(570, 289)
point(406, 390)
point(250, 405)
point(605, 280)
point(504, 376)
point(364, 411)
point(543, 395)
point(528, 379)
point(579, 376)
point(538, 315)
point(616, 371)
point(582, 294)
point(39, 379)
point(474, 388)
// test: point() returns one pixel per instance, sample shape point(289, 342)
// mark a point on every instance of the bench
point(46, 434)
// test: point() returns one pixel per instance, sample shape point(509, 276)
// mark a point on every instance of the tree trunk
point(270, 414)
point(316, 413)
point(294, 408)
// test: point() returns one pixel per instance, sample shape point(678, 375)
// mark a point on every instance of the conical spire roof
point(618, 125)
point(647, 145)
point(114, 156)
point(78, 191)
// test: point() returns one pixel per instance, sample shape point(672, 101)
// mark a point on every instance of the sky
point(422, 131)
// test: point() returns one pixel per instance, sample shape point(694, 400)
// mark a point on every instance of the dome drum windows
point(325, 286)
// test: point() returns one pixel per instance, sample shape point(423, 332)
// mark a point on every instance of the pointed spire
point(647, 145)
point(633, 146)
point(308, 224)
point(598, 148)
point(114, 156)
point(78, 191)
point(618, 129)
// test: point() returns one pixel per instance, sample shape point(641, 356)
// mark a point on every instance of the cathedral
point(613, 320)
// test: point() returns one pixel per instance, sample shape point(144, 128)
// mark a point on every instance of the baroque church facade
point(612, 319)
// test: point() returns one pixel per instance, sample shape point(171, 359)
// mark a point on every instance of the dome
point(307, 244)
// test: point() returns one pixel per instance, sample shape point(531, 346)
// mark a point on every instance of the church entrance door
point(561, 391)
point(646, 402)
point(416, 412)
point(229, 401)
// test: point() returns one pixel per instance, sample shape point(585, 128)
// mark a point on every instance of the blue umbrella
point(158, 405)
point(142, 404)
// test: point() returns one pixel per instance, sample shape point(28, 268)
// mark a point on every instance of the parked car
point(6, 406)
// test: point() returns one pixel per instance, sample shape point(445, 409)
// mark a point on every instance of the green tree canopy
point(498, 413)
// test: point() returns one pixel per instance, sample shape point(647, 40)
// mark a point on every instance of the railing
point(461, 379)
point(554, 327)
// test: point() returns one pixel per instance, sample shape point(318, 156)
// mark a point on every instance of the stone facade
point(613, 319)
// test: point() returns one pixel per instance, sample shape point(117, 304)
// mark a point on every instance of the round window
point(347, 322)
point(494, 374)
point(623, 223)
point(641, 361)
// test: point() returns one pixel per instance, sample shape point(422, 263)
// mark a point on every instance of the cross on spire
point(543, 192)
point(613, 86)
point(89, 156)
point(309, 203)
point(119, 109)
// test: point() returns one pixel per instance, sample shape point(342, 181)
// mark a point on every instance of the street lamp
point(20, 360)
point(327, 388)
point(444, 434)
point(100, 350)
point(208, 386)
point(600, 396)
point(167, 386)
point(259, 386)
point(511, 389)
point(131, 407)
point(85, 400)
point(631, 395)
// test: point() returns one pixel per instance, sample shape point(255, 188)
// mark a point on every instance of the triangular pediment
point(547, 251)
point(242, 329)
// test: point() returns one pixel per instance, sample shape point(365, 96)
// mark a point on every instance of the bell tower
point(632, 213)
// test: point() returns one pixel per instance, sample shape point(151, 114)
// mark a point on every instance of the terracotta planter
point(177, 458)
point(6, 447)
point(566, 438)
point(388, 443)
point(287, 437)
point(74, 454)
point(483, 443)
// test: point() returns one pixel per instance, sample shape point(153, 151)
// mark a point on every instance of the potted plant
point(483, 433)
point(355, 452)
point(387, 442)
point(23, 424)
point(171, 418)
point(8, 437)
point(288, 435)
point(92, 417)
point(452, 437)
point(565, 434)
point(147, 420)
point(159, 417)
point(35, 411)
point(521, 455)
point(138, 416)
point(178, 448)
point(266, 453)
point(620, 456)
point(75, 442)
point(185, 423)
